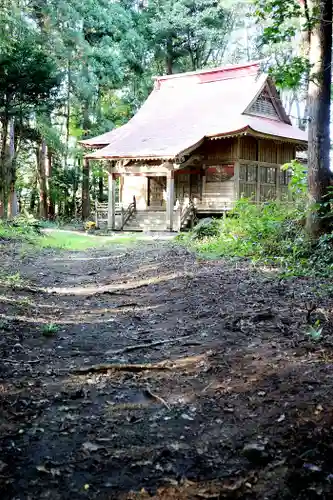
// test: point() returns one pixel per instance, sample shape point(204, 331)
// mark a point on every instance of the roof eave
point(93, 146)
point(251, 131)
point(177, 158)
point(127, 157)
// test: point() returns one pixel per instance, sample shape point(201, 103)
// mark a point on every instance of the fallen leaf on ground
point(54, 472)
point(88, 446)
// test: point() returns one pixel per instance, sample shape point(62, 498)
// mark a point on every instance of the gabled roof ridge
point(217, 69)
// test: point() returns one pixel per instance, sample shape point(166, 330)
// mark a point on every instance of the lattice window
point(285, 176)
point(248, 173)
point(268, 175)
point(264, 106)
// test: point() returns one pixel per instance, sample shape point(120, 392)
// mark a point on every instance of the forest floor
point(141, 371)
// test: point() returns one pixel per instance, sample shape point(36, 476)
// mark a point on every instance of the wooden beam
point(170, 200)
point(111, 198)
point(191, 161)
point(258, 175)
point(261, 163)
point(157, 170)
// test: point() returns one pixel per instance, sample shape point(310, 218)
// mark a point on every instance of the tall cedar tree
point(315, 18)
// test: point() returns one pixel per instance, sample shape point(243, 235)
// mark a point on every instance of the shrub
point(206, 228)
point(271, 232)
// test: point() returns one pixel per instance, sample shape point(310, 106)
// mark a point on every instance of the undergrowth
point(271, 234)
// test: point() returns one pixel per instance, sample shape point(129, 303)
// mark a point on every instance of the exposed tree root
point(157, 398)
point(103, 368)
point(150, 344)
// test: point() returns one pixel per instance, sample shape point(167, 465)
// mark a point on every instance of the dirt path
point(237, 405)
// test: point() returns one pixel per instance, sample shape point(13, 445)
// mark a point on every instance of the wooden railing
point(127, 214)
point(102, 209)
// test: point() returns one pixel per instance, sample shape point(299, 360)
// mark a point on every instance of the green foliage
point(50, 330)
point(13, 280)
point(315, 331)
point(284, 23)
point(206, 228)
point(290, 74)
point(298, 184)
point(254, 231)
point(20, 228)
point(187, 34)
point(28, 76)
point(281, 14)
point(271, 233)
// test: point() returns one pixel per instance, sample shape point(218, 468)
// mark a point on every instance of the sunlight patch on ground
point(86, 259)
point(86, 317)
point(113, 288)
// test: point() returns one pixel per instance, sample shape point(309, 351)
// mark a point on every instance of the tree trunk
point(75, 188)
point(43, 194)
point(85, 190)
point(85, 168)
point(319, 116)
point(68, 113)
point(3, 166)
point(12, 196)
point(50, 200)
point(169, 57)
point(34, 193)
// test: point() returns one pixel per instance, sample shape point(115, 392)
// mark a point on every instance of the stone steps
point(147, 221)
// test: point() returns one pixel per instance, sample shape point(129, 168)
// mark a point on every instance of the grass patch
point(50, 330)
point(68, 240)
point(53, 237)
point(12, 280)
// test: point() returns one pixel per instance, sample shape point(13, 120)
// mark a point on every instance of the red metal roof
point(186, 108)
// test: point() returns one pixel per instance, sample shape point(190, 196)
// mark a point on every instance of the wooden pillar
point(121, 187)
point(258, 174)
point(278, 170)
point(170, 199)
point(203, 183)
point(237, 170)
point(111, 198)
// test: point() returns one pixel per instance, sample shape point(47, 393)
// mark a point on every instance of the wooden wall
point(260, 175)
point(217, 194)
point(188, 183)
point(219, 150)
point(266, 150)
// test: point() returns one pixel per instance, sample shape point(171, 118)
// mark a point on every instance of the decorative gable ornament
point(264, 106)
